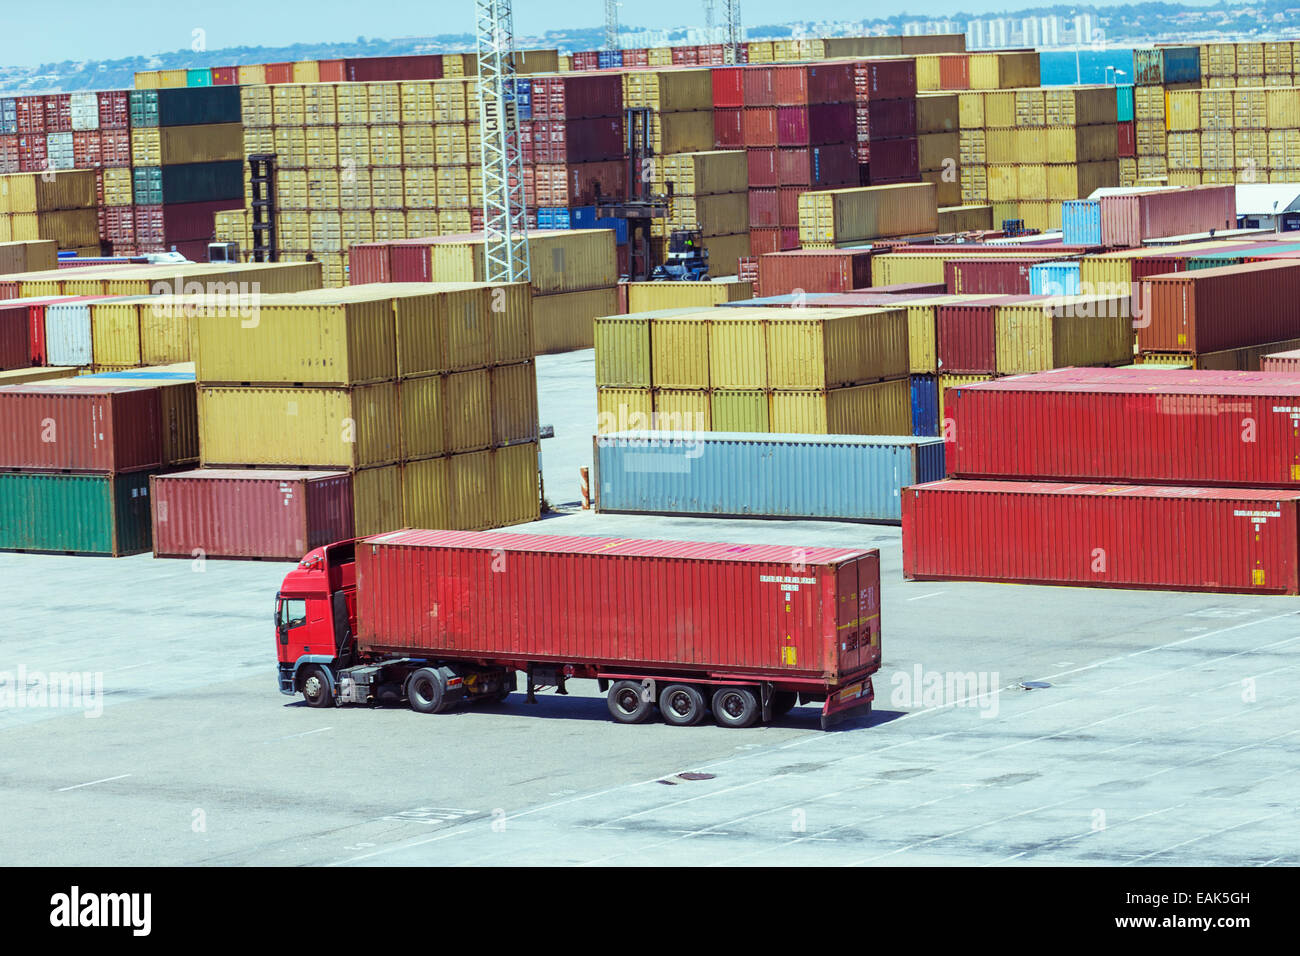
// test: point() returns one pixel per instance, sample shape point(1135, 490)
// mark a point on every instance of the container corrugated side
point(884, 408)
point(1281, 362)
point(565, 322)
point(857, 478)
point(65, 425)
point(78, 514)
point(623, 350)
point(680, 348)
point(874, 211)
point(1207, 310)
point(1062, 331)
point(827, 348)
point(1235, 540)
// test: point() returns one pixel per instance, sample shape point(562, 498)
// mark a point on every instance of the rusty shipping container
point(1126, 220)
point(244, 513)
point(1150, 425)
point(62, 425)
point(1208, 310)
point(1096, 535)
point(814, 270)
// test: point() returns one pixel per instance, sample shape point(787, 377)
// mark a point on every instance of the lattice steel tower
point(611, 24)
point(731, 45)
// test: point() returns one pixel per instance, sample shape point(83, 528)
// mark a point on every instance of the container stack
point(1142, 454)
point(708, 191)
point(1232, 135)
point(887, 123)
point(1156, 72)
point(938, 145)
point(844, 217)
point(810, 371)
point(423, 396)
point(59, 206)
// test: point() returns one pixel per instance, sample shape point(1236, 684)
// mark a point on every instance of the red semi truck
point(437, 618)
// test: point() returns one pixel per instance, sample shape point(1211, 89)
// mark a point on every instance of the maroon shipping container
point(114, 110)
point(237, 513)
point(686, 55)
point(31, 114)
point(8, 153)
point(71, 427)
point(1288, 362)
point(967, 336)
point(1142, 425)
point(885, 119)
point(443, 593)
point(763, 169)
point(586, 60)
point(1241, 540)
point(115, 147)
point(760, 88)
point(279, 72)
point(58, 113)
point(728, 128)
point(1207, 310)
point(762, 239)
point(759, 125)
point(991, 275)
point(576, 184)
point(816, 125)
point(828, 270)
point(832, 165)
point(577, 97)
point(578, 141)
point(333, 71)
point(227, 76)
point(954, 71)
point(372, 69)
point(894, 160)
point(764, 207)
point(885, 79)
point(804, 85)
point(1127, 139)
point(31, 152)
point(1127, 220)
point(728, 86)
point(911, 288)
point(16, 346)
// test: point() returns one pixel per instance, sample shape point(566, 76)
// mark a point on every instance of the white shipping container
point(67, 334)
point(85, 111)
point(58, 151)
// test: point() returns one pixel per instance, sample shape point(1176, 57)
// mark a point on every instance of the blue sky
point(104, 29)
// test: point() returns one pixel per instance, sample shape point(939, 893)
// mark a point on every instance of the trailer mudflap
point(853, 700)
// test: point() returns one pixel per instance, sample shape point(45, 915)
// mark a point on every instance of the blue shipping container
point(1181, 64)
point(524, 98)
point(740, 474)
point(925, 405)
point(1081, 222)
point(584, 217)
point(608, 59)
point(1124, 102)
point(1054, 278)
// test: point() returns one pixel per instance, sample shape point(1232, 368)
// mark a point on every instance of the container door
point(847, 619)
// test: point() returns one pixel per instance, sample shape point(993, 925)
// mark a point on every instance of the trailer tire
point(783, 702)
point(682, 705)
point(735, 707)
point(628, 704)
point(424, 691)
point(315, 687)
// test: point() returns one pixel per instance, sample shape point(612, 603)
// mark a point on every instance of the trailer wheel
point(316, 689)
point(735, 707)
point(783, 702)
point(681, 705)
point(627, 703)
point(424, 691)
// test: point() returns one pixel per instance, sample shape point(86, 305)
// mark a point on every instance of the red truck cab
point(315, 617)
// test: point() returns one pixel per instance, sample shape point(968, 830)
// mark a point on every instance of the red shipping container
point(9, 153)
point(115, 147)
point(1148, 426)
point(714, 54)
point(575, 184)
point(331, 71)
point(728, 128)
point(526, 151)
point(1127, 220)
point(815, 270)
point(119, 223)
point(279, 72)
point(1207, 310)
point(1288, 362)
point(227, 76)
point(686, 55)
point(369, 262)
point(1127, 139)
point(762, 239)
point(1237, 540)
point(638, 57)
point(886, 119)
point(885, 79)
point(990, 275)
point(31, 114)
point(760, 88)
point(15, 339)
point(578, 141)
point(760, 126)
point(85, 149)
point(66, 427)
point(236, 513)
point(436, 592)
point(763, 169)
point(192, 220)
point(764, 207)
point(149, 228)
point(586, 60)
point(58, 113)
point(954, 71)
point(577, 97)
point(31, 152)
point(806, 84)
point(114, 110)
point(816, 125)
point(893, 161)
point(967, 336)
point(728, 86)
point(831, 165)
point(623, 263)
point(789, 238)
point(371, 69)
point(788, 205)
point(195, 250)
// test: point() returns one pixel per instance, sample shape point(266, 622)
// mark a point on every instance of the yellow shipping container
point(562, 322)
point(377, 500)
point(679, 348)
point(1030, 108)
point(466, 410)
point(48, 192)
point(1081, 144)
point(252, 74)
point(177, 145)
point(1149, 103)
point(513, 403)
point(999, 108)
point(428, 498)
point(515, 473)
point(725, 252)
point(21, 376)
point(423, 405)
point(829, 348)
point(1078, 181)
point(1216, 109)
point(320, 427)
point(870, 212)
point(1006, 70)
point(681, 132)
point(1074, 330)
point(320, 104)
point(1277, 58)
point(738, 349)
point(1250, 109)
point(725, 214)
point(623, 409)
point(947, 189)
point(884, 408)
point(448, 101)
point(1081, 106)
point(561, 261)
point(669, 91)
point(653, 296)
point(146, 80)
point(739, 410)
point(936, 151)
point(352, 103)
point(1004, 182)
point(623, 348)
point(682, 409)
point(28, 256)
point(706, 172)
point(171, 79)
point(288, 104)
point(1282, 108)
point(965, 218)
point(385, 101)
point(970, 110)
point(972, 147)
point(927, 72)
point(416, 98)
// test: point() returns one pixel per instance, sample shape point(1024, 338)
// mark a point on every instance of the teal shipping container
point(757, 475)
point(202, 77)
point(75, 514)
point(1124, 103)
point(188, 182)
point(185, 106)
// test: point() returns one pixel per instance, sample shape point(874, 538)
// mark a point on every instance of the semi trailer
point(442, 618)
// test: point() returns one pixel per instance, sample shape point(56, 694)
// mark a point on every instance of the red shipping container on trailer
point(577, 97)
point(1149, 426)
point(101, 428)
point(816, 125)
point(815, 270)
point(728, 87)
point(598, 603)
point(1288, 362)
point(967, 336)
point(379, 68)
point(728, 128)
point(764, 207)
point(760, 89)
point(1208, 310)
point(763, 169)
point(237, 513)
point(1127, 220)
point(885, 79)
point(803, 85)
point(760, 125)
point(835, 164)
point(1119, 536)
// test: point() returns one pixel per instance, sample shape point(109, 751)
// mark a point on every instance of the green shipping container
point(80, 514)
point(193, 105)
point(198, 77)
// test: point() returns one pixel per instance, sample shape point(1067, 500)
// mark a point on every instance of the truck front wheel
point(628, 704)
point(424, 691)
point(316, 689)
point(735, 707)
